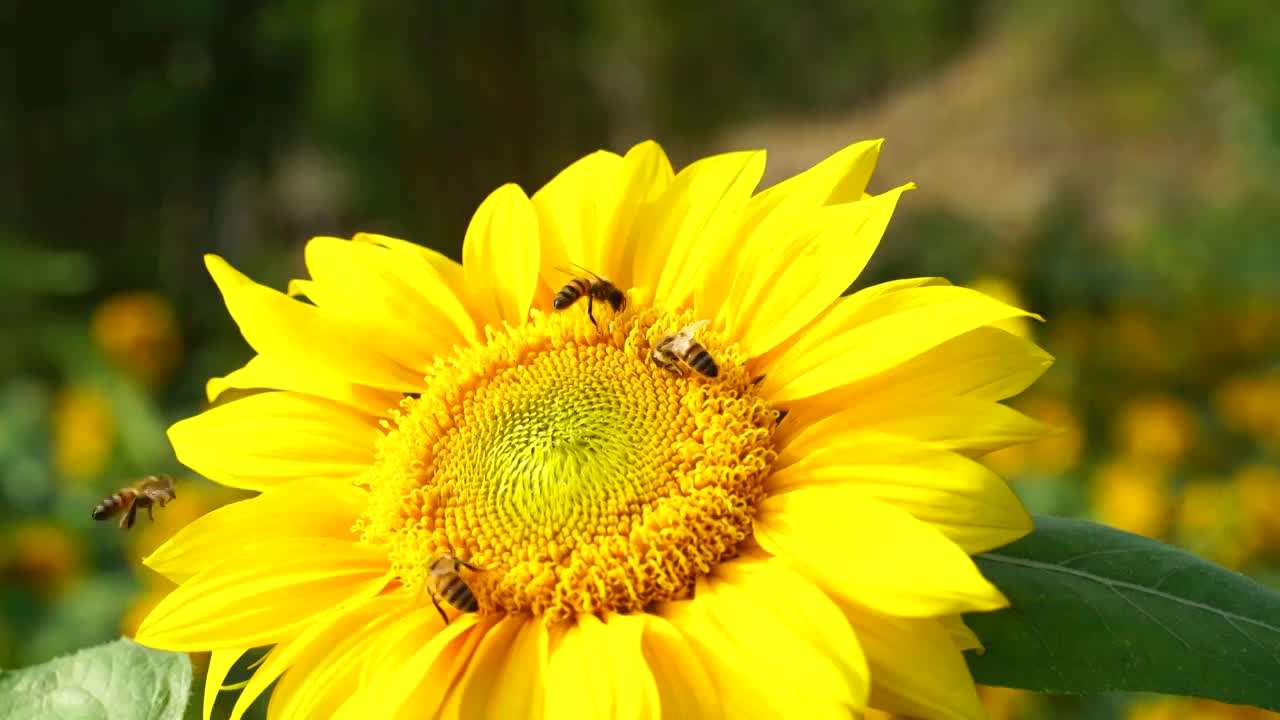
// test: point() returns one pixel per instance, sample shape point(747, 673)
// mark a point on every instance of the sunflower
point(786, 537)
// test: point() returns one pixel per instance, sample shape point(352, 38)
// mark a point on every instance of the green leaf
point(1095, 609)
point(121, 680)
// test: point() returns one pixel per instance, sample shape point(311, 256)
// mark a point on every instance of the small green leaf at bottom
point(1095, 609)
point(121, 680)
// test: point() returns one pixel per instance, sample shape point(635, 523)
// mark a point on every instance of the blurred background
point(1110, 165)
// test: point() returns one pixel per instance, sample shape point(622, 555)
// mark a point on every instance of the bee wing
point(691, 328)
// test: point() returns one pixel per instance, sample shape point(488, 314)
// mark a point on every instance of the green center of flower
point(577, 473)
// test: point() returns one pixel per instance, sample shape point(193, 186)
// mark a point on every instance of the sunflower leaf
point(1095, 609)
point(121, 680)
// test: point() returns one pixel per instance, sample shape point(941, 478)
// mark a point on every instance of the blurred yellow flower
point(1005, 703)
point(1258, 487)
point(83, 430)
point(1250, 404)
point(1156, 428)
point(1251, 327)
point(1132, 496)
point(138, 333)
point(43, 555)
point(1184, 708)
point(1209, 521)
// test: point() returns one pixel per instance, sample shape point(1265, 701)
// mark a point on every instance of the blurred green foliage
point(1134, 205)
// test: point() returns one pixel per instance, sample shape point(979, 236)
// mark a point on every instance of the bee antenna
point(586, 271)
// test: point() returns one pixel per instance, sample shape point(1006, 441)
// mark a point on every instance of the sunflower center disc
point(576, 473)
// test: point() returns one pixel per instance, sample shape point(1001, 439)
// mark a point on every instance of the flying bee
point(681, 347)
point(148, 492)
point(595, 289)
point(445, 581)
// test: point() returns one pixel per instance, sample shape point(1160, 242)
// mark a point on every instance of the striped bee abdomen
point(703, 363)
point(570, 293)
point(112, 504)
point(460, 596)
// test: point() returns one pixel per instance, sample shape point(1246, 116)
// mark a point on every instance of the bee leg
point(439, 609)
point(468, 565)
point(590, 305)
point(150, 515)
point(126, 522)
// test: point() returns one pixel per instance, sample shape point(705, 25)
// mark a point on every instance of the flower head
point(138, 332)
point(638, 535)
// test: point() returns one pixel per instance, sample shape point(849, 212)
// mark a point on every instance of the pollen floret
point(579, 475)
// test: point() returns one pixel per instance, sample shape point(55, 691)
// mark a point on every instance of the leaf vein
point(1150, 617)
point(1103, 580)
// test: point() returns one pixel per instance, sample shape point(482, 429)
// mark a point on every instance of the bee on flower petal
point(145, 494)
point(680, 347)
point(594, 288)
point(444, 580)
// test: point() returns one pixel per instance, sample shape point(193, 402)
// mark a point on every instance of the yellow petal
point(573, 209)
point(672, 235)
point(876, 336)
point(773, 644)
point(320, 636)
point(312, 507)
point(264, 595)
point(500, 256)
point(325, 672)
point(420, 686)
point(868, 552)
point(262, 373)
point(597, 670)
point(784, 282)
point(354, 708)
point(504, 677)
point(961, 636)
point(271, 438)
point(897, 649)
point(969, 425)
point(443, 267)
point(985, 364)
point(959, 497)
point(841, 178)
point(252, 689)
point(844, 308)
point(396, 644)
point(296, 334)
point(685, 689)
point(642, 178)
point(220, 663)
point(405, 307)
point(838, 179)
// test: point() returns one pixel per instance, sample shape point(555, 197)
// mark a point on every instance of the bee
point(146, 493)
point(597, 289)
point(681, 347)
point(444, 581)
